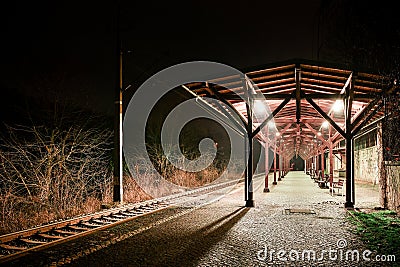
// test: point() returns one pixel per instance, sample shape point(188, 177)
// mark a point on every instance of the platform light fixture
point(338, 106)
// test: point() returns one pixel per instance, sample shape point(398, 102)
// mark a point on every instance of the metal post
point(349, 173)
point(266, 189)
point(246, 155)
point(117, 181)
point(275, 155)
point(250, 201)
point(279, 168)
point(323, 163)
point(349, 151)
point(249, 107)
point(330, 157)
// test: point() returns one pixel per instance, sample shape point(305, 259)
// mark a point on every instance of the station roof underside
point(301, 95)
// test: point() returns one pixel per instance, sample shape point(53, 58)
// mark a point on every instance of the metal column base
point(266, 190)
point(274, 183)
point(279, 179)
point(349, 205)
point(250, 203)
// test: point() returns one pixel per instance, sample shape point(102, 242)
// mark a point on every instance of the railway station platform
point(295, 218)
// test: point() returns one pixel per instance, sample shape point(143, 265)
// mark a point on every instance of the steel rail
point(17, 244)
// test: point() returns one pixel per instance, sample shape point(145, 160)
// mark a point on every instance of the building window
point(366, 140)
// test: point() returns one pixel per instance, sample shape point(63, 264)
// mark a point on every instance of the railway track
point(17, 244)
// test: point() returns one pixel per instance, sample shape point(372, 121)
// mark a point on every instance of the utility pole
point(117, 159)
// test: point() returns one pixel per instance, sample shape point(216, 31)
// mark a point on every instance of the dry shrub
point(132, 191)
point(194, 179)
point(178, 176)
point(50, 173)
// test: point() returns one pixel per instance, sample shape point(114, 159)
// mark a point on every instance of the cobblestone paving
point(224, 233)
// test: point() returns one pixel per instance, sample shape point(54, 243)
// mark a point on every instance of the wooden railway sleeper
point(51, 237)
point(77, 228)
point(33, 242)
point(10, 247)
point(63, 232)
point(90, 225)
point(111, 218)
point(120, 215)
point(100, 222)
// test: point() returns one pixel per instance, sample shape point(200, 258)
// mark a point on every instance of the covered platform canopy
point(314, 106)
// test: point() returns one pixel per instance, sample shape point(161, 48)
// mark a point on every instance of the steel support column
point(279, 167)
point(275, 155)
point(330, 156)
point(246, 153)
point(349, 173)
point(249, 178)
point(349, 148)
point(323, 163)
point(266, 189)
point(249, 200)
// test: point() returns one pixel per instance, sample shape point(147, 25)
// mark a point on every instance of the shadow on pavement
point(198, 243)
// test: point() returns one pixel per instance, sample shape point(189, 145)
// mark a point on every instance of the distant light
point(319, 133)
point(325, 124)
point(277, 134)
point(338, 106)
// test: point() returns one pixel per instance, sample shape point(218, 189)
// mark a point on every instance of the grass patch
point(379, 230)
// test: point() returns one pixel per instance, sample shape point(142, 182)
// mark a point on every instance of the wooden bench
point(338, 185)
point(323, 182)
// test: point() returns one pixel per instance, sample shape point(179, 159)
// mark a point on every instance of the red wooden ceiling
point(323, 83)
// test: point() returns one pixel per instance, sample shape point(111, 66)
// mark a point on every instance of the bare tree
point(51, 172)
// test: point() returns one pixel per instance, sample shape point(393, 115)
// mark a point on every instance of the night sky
point(70, 47)
point(68, 50)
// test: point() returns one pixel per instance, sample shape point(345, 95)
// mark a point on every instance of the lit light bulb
point(325, 124)
point(338, 106)
point(271, 124)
